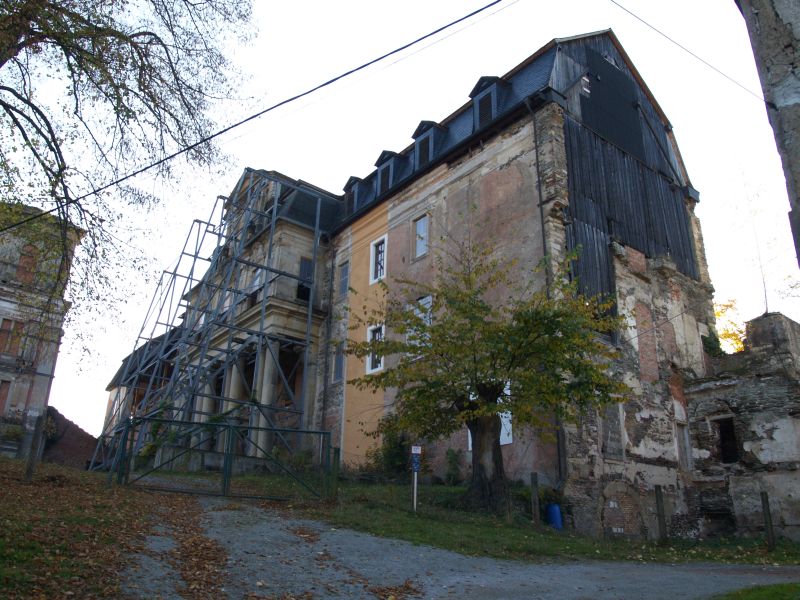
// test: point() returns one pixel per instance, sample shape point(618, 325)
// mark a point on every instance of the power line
point(685, 49)
point(252, 117)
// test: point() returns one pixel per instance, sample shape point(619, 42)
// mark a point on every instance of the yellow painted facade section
point(362, 408)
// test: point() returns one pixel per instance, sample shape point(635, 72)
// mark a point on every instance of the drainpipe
point(547, 280)
point(329, 321)
point(561, 446)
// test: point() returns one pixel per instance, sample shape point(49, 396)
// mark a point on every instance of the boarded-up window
point(10, 336)
point(5, 387)
point(485, 110)
point(612, 432)
point(684, 446)
point(26, 266)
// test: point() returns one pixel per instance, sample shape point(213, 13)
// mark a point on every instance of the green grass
point(780, 591)
point(384, 510)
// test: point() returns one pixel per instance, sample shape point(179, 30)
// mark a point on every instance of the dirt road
point(270, 556)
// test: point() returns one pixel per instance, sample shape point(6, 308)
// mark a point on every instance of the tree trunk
point(488, 489)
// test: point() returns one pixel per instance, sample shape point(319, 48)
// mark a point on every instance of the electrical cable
point(689, 52)
point(252, 117)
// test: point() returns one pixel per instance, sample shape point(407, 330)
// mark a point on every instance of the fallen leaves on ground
point(396, 592)
point(199, 559)
point(66, 533)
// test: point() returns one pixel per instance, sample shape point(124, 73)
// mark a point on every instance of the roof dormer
point(351, 194)
point(426, 136)
point(486, 100)
point(384, 178)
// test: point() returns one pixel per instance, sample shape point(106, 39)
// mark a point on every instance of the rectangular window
point(375, 360)
point(377, 260)
point(384, 178)
point(344, 279)
point(421, 236)
point(484, 112)
point(422, 308)
point(684, 446)
point(307, 273)
point(728, 448)
point(338, 362)
point(424, 151)
point(5, 387)
point(10, 336)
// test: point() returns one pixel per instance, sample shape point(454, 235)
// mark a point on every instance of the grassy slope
point(384, 510)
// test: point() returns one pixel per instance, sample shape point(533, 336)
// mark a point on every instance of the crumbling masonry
point(567, 152)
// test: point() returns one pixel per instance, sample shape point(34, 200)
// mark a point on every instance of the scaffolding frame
point(198, 363)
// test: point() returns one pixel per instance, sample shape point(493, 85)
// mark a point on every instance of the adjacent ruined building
point(35, 260)
point(242, 367)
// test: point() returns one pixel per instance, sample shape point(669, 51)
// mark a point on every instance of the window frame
point(372, 357)
point(339, 363)
point(386, 170)
point(343, 279)
point(476, 103)
point(415, 237)
point(372, 257)
point(427, 140)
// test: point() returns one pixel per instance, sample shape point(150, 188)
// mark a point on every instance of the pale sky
point(722, 132)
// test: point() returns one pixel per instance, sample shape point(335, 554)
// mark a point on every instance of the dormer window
point(486, 100)
point(351, 195)
point(485, 108)
point(385, 173)
point(424, 149)
point(426, 138)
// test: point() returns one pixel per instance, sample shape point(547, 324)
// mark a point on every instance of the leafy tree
point(730, 329)
point(90, 89)
point(476, 343)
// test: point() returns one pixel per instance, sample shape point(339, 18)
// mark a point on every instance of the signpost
point(416, 459)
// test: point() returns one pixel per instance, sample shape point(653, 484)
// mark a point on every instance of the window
point(306, 273)
point(344, 279)
point(684, 446)
point(484, 109)
point(385, 177)
point(424, 146)
point(422, 308)
point(5, 387)
point(377, 260)
point(728, 448)
point(338, 362)
point(375, 360)
point(420, 236)
point(10, 336)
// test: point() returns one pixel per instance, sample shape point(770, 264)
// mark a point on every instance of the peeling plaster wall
point(759, 390)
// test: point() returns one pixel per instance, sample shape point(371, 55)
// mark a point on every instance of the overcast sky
point(721, 129)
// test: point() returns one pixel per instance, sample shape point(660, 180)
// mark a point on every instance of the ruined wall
point(774, 28)
point(745, 425)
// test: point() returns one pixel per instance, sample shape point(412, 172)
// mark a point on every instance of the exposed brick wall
point(69, 445)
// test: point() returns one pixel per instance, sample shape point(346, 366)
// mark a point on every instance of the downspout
point(328, 324)
point(547, 276)
point(561, 446)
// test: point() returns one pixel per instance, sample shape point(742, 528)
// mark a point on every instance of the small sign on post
point(416, 461)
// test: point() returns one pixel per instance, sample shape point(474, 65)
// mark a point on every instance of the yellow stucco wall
point(362, 409)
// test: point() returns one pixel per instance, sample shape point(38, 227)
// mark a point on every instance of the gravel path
point(272, 556)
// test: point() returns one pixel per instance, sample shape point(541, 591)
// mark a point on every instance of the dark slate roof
point(144, 358)
point(543, 77)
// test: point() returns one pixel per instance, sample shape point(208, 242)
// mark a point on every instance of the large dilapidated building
point(245, 353)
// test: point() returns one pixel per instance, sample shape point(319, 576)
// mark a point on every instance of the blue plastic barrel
point(553, 516)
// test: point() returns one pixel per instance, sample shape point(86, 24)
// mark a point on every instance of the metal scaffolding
point(222, 369)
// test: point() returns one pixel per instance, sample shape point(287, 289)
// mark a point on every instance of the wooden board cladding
point(612, 195)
